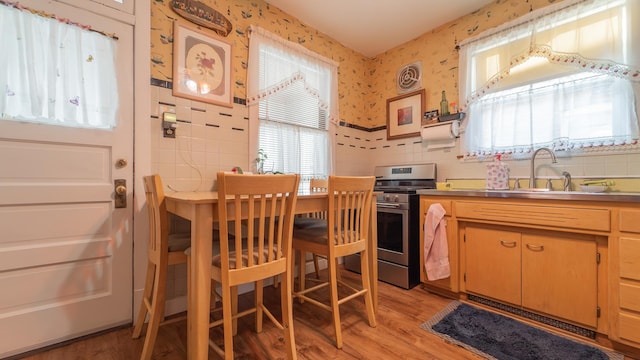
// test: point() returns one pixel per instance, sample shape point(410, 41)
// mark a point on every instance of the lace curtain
point(55, 73)
point(278, 68)
point(565, 76)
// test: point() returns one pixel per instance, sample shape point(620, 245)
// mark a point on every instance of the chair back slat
point(261, 207)
point(350, 206)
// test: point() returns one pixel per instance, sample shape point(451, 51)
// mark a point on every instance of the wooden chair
point(269, 202)
point(312, 220)
point(345, 232)
point(164, 250)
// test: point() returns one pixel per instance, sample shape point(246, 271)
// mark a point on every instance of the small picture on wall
point(201, 67)
point(404, 115)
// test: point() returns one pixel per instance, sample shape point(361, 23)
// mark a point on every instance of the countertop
point(528, 194)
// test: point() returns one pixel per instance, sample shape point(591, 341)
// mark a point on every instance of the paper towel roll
point(441, 135)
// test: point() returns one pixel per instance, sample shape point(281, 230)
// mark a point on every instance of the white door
point(65, 251)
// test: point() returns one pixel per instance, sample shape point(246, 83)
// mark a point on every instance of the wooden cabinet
point(450, 284)
point(493, 258)
point(574, 261)
point(625, 279)
point(549, 272)
point(560, 275)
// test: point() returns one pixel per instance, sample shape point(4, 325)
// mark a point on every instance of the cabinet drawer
point(446, 204)
point(630, 297)
point(630, 258)
point(557, 216)
point(630, 221)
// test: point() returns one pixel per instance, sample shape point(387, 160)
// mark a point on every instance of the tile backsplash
point(212, 138)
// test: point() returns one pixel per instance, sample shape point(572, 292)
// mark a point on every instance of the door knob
point(121, 163)
point(120, 189)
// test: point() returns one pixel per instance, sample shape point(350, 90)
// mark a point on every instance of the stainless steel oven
point(398, 221)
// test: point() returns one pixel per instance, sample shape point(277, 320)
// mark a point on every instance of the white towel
point(436, 248)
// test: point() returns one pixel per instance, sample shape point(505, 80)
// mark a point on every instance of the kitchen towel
point(436, 247)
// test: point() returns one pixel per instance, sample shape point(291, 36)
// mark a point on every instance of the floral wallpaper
point(353, 86)
point(364, 83)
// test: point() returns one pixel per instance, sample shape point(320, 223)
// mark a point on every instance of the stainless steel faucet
point(532, 174)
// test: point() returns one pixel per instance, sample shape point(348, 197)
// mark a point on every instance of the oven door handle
point(388, 205)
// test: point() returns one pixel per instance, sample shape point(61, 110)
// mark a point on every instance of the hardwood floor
point(396, 336)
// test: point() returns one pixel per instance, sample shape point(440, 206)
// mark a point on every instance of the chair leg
point(316, 265)
point(258, 294)
point(287, 316)
point(234, 308)
point(335, 307)
point(302, 256)
point(366, 284)
point(227, 321)
point(148, 288)
point(156, 311)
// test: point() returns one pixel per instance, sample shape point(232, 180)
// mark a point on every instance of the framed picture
point(201, 67)
point(404, 115)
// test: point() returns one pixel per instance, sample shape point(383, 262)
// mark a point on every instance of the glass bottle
point(444, 105)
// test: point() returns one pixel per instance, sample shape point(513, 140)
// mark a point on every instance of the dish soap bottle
point(444, 105)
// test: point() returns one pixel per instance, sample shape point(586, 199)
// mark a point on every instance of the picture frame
point(201, 66)
point(404, 115)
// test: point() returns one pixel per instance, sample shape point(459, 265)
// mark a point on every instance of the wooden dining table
point(201, 208)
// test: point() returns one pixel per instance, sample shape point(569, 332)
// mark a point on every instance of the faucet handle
point(567, 181)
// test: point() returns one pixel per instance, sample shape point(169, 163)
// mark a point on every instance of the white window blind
point(294, 133)
point(564, 77)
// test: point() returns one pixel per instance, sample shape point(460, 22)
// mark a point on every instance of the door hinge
point(598, 311)
point(597, 258)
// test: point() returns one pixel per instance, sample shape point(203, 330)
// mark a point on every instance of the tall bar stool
point(268, 202)
point(164, 250)
point(311, 220)
point(344, 233)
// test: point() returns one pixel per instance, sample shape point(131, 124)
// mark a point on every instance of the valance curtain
point(279, 69)
point(319, 74)
point(55, 73)
point(565, 76)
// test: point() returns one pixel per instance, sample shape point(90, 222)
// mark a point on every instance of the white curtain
point(564, 76)
point(277, 67)
point(55, 73)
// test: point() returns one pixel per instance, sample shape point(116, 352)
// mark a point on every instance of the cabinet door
point(493, 263)
point(559, 275)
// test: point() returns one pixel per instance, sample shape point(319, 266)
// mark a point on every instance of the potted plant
point(262, 157)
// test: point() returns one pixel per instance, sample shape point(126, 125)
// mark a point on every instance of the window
point(55, 73)
point(564, 77)
point(292, 104)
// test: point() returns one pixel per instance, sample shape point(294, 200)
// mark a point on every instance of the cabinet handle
point(535, 247)
point(508, 243)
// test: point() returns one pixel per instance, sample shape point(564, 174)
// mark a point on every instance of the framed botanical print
point(201, 66)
